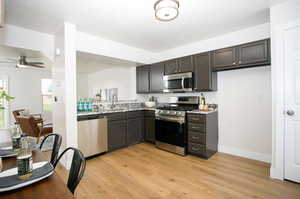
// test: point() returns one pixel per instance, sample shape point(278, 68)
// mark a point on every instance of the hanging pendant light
point(166, 10)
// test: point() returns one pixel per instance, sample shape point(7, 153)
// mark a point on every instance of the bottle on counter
point(24, 160)
point(16, 138)
point(202, 102)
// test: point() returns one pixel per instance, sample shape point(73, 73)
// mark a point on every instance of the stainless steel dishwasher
point(92, 134)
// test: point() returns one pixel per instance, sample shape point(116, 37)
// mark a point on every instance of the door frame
point(278, 98)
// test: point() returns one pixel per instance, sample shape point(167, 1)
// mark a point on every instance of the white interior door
point(292, 98)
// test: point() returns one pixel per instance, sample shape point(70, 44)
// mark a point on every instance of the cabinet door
point(116, 134)
point(156, 77)
point(150, 129)
point(204, 78)
point(224, 58)
point(185, 64)
point(254, 53)
point(134, 131)
point(142, 79)
point(171, 67)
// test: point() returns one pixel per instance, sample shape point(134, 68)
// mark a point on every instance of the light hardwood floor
point(144, 172)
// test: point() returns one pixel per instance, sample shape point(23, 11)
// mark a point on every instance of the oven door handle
point(170, 120)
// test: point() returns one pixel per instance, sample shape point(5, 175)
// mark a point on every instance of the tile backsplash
point(211, 97)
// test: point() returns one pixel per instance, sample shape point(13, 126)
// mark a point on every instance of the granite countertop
point(114, 111)
point(202, 112)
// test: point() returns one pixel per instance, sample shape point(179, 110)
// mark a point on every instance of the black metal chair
point(56, 146)
point(77, 168)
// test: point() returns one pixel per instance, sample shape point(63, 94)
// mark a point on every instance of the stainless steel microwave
point(181, 82)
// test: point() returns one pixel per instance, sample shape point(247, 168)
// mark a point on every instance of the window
point(47, 86)
point(4, 114)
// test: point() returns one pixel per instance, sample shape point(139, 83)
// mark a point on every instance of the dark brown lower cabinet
point(150, 126)
point(135, 127)
point(116, 134)
point(203, 134)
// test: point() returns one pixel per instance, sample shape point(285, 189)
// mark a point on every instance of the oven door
point(182, 82)
point(170, 131)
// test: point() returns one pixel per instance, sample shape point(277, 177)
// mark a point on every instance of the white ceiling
point(132, 22)
point(89, 63)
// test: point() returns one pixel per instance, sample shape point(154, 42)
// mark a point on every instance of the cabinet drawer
point(149, 113)
point(198, 149)
point(116, 116)
point(196, 137)
point(196, 127)
point(135, 114)
point(196, 118)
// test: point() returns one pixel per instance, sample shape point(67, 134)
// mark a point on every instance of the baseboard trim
point(246, 154)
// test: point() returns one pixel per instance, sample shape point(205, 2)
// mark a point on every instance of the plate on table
point(9, 179)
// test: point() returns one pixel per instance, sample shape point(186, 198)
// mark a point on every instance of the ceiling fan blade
point(37, 66)
point(38, 63)
point(7, 62)
point(11, 59)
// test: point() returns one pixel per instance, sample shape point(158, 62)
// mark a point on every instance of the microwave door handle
point(182, 83)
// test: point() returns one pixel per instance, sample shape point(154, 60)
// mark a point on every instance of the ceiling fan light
point(166, 10)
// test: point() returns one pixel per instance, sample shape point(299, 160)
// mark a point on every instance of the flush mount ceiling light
point(166, 10)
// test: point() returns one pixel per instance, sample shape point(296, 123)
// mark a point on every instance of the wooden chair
point(77, 168)
point(55, 148)
point(17, 113)
point(31, 128)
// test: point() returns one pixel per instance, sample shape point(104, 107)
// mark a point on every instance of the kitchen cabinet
point(116, 134)
point(204, 77)
point(224, 58)
point(254, 53)
point(180, 65)
point(150, 126)
point(156, 77)
point(202, 134)
point(242, 56)
point(171, 67)
point(185, 64)
point(142, 79)
point(135, 127)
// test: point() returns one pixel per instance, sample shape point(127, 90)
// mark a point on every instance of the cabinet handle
point(195, 137)
point(194, 127)
point(195, 149)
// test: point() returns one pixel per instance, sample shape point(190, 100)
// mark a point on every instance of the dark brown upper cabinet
point(142, 79)
point(223, 58)
point(185, 64)
point(254, 53)
point(204, 78)
point(243, 56)
point(156, 77)
point(171, 67)
point(180, 65)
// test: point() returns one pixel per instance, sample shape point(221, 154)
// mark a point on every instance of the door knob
point(290, 112)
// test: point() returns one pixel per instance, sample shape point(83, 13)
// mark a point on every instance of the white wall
point(280, 16)
point(15, 36)
point(82, 85)
point(243, 96)
point(96, 45)
point(123, 78)
point(234, 38)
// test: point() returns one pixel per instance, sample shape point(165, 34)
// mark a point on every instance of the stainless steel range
point(170, 124)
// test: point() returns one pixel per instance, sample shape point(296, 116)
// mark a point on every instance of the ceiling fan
point(21, 62)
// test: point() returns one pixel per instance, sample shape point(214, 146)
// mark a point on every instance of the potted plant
point(4, 96)
point(151, 103)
